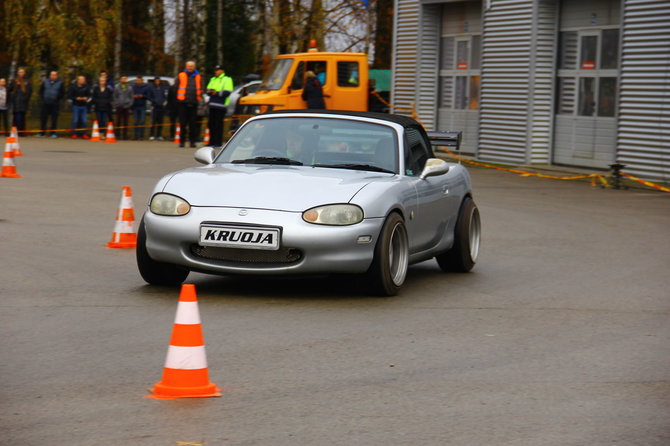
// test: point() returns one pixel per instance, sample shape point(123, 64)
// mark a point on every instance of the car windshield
point(275, 79)
point(318, 142)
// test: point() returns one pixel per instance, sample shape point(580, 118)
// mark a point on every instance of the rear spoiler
point(450, 140)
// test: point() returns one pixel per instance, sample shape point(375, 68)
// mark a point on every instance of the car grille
point(248, 256)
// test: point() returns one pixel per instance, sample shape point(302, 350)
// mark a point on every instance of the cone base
point(164, 392)
point(17, 154)
point(108, 140)
point(11, 175)
point(121, 245)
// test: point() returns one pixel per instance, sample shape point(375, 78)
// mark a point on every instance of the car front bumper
point(304, 248)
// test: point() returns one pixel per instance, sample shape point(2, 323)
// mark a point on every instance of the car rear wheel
point(153, 272)
point(463, 255)
point(391, 261)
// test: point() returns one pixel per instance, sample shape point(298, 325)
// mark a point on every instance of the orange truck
point(344, 77)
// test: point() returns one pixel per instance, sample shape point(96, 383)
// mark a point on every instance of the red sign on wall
point(462, 65)
point(588, 65)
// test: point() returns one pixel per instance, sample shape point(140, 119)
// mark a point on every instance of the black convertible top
point(404, 121)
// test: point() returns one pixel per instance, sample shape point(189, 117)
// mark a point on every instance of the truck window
point(319, 68)
point(279, 72)
point(347, 74)
point(297, 82)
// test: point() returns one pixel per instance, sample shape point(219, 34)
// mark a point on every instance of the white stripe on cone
point(15, 134)
point(8, 158)
point(187, 313)
point(186, 358)
point(125, 227)
point(126, 202)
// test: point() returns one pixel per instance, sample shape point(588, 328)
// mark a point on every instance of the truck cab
point(343, 76)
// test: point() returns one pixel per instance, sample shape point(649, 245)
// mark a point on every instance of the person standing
point(51, 92)
point(122, 101)
point(4, 104)
point(189, 93)
point(110, 81)
point(218, 89)
point(172, 108)
point(158, 95)
point(140, 93)
point(20, 91)
point(313, 92)
point(102, 97)
point(80, 94)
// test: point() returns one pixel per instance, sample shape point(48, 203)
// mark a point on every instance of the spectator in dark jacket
point(158, 95)
point(51, 92)
point(20, 91)
point(140, 94)
point(4, 105)
point(101, 98)
point(110, 81)
point(80, 94)
point(313, 92)
point(172, 109)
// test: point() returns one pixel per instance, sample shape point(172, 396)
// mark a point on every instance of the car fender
point(160, 185)
point(378, 199)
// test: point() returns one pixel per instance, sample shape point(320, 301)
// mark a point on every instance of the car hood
point(289, 188)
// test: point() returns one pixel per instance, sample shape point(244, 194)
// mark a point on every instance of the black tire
point(156, 273)
point(389, 267)
point(467, 236)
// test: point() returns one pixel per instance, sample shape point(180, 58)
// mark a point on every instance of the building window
point(588, 53)
point(460, 65)
point(588, 72)
point(461, 94)
point(609, 50)
point(587, 95)
point(607, 96)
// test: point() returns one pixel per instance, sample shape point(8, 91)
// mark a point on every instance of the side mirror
point(434, 167)
point(205, 155)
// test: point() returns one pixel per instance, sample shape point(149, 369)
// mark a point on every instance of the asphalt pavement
point(560, 335)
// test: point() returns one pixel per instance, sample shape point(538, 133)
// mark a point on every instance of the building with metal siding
point(567, 82)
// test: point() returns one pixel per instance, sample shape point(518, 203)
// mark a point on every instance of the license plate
point(247, 237)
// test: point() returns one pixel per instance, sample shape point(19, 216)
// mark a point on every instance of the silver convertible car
point(312, 192)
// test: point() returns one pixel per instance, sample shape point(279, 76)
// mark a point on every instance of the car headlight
point(334, 214)
point(166, 204)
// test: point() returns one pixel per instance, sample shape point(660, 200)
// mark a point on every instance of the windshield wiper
point(356, 167)
point(269, 160)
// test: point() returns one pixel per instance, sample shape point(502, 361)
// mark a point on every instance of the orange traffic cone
point(15, 142)
point(185, 373)
point(177, 135)
point(95, 134)
point(110, 137)
point(206, 138)
point(8, 166)
point(124, 235)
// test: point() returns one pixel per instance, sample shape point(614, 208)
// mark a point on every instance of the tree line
point(156, 37)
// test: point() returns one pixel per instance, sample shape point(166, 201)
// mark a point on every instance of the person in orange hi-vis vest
point(189, 92)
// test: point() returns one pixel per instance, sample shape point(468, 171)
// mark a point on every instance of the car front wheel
point(391, 260)
point(153, 272)
point(463, 255)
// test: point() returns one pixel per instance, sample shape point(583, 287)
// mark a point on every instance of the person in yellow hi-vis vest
point(218, 89)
